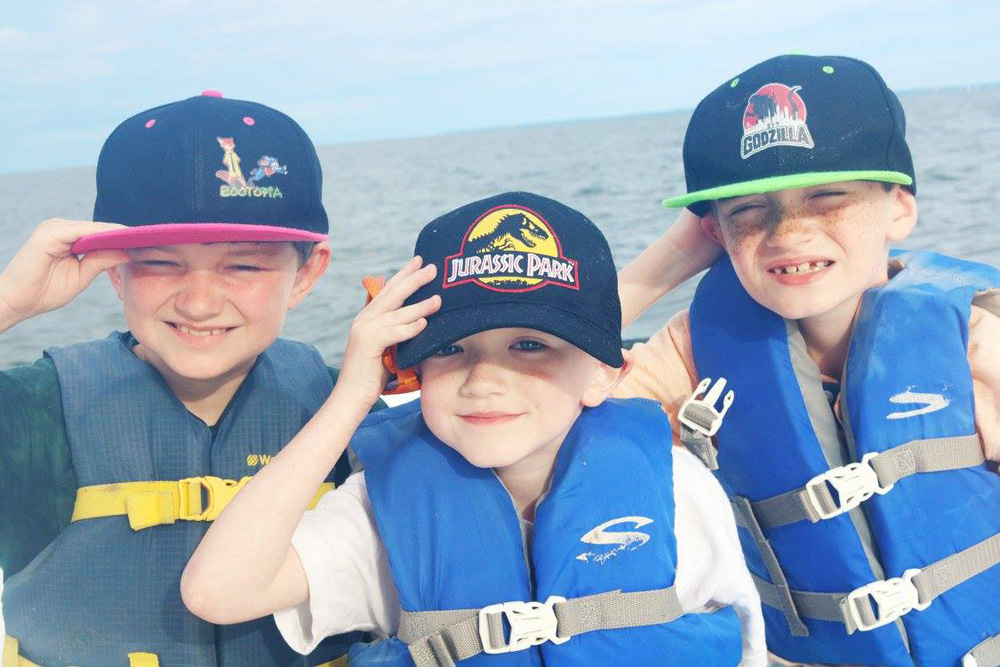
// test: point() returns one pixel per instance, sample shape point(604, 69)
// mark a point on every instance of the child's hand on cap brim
point(382, 323)
point(45, 275)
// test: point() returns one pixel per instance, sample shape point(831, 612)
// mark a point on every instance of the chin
point(483, 457)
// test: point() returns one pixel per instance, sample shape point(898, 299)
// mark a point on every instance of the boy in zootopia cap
point(510, 515)
point(116, 453)
point(859, 433)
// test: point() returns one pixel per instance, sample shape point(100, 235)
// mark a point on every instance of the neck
point(205, 399)
point(828, 335)
point(526, 480)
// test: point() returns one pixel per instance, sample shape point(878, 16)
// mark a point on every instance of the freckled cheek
point(738, 236)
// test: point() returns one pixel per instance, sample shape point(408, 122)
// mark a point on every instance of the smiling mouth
point(489, 417)
point(804, 267)
point(200, 333)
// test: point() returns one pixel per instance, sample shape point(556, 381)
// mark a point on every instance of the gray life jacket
point(102, 590)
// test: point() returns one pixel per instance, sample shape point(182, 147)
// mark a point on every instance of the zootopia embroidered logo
point(249, 191)
point(238, 186)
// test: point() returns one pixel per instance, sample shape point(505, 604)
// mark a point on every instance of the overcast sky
point(359, 70)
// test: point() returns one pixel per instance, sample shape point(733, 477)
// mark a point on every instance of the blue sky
point(361, 70)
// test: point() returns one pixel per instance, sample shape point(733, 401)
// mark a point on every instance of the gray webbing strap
point(984, 654)
point(699, 444)
point(442, 638)
point(781, 598)
point(881, 602)
point(450, 635)
point(613, 610)
point(814, 501)
point(957, 568)
point(821, 606)
point(931, 455)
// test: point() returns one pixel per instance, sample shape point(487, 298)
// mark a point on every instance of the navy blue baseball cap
point(518, 260)
point(791, 122)
point(207, 169)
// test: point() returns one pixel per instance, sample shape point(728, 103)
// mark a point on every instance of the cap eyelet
point(735, 82)
point(828, 69)
point(150, 123)
point(247, 120)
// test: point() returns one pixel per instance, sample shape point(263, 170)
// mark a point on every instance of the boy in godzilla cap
point(512, 515)
point(115, 454)
point(862, 430)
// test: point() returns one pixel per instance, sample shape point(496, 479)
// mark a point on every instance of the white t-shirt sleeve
point(347, 568)
point(710, 568)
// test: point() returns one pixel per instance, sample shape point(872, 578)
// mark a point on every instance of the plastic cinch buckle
point(531, 623)
point(893, 597)
point(854, 483)
point(218, 493)
point(699, 414)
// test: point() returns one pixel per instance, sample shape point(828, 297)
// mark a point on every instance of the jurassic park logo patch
point(511, 249)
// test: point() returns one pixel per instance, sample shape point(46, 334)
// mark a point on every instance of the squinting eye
point(246, 267)
point(528, 345)
point(743, 209)
point(448, 350)
point(157, 263)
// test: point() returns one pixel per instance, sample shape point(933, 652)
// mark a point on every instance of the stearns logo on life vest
point(775, 115)
point(510, 249)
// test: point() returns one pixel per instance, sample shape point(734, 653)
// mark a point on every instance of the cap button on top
point(211, 93)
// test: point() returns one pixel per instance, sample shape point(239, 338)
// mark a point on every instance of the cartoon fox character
point(232, 175)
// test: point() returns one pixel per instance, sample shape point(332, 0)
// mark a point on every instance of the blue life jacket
point(100, 590)
point(906, 379)
point(455, 540)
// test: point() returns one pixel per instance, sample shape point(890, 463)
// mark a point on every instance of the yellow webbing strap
point(339, 662)
point(11, 657)
point(156, 503)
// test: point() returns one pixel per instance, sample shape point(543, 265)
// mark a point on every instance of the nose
point(483, 379)
point(200, 296)
point(788, 227)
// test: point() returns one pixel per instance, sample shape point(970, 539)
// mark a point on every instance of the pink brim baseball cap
point(191, 232)
point(207, 170)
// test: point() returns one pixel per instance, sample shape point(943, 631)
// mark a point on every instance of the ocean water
point(616, 171)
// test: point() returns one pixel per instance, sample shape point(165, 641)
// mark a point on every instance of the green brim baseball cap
point(792, 122)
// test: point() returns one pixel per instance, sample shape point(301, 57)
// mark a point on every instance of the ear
point(605, 379)
point(712, 229)
point(904, 214)
point(309, 273)
point(115, 276)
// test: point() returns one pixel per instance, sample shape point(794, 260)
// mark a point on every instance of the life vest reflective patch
point(623, 540)
point(931, 403)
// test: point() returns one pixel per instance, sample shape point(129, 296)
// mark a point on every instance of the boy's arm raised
point(45, 275)
point(245, 567)
point(680, 253)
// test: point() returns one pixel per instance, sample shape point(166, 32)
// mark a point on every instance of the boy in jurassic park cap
point(512, 514)
point(859, 435)
point(114, 454)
